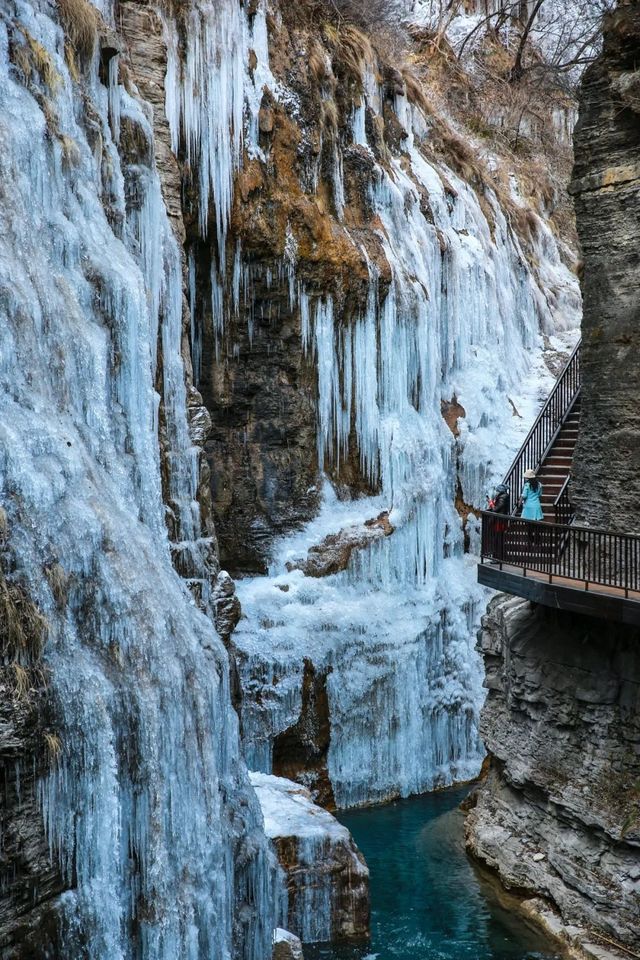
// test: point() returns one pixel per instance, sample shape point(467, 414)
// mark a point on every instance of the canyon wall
point(558, 816)
point(605, 186)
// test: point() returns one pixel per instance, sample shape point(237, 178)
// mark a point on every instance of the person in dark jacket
point(500, 503)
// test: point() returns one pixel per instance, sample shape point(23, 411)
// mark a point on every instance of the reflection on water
point(428, 901)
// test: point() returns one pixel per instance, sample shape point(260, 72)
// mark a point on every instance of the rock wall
point(605, 186)
point(558, 815)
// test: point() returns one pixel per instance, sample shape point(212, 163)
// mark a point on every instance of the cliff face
point(606, 179)
point(375, 273)
point(559, 814)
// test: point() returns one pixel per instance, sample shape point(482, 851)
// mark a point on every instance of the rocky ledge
point(558, 816)
point(325, 875)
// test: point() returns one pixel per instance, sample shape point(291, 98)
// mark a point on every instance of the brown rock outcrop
point(300, 752)
point(286, 946)
point(333, 553)
point(30, 877)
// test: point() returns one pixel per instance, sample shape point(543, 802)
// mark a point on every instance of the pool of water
point(428, 901)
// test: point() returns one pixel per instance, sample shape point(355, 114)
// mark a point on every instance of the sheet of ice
point(149, 809)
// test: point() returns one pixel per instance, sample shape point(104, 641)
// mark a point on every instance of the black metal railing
point(595, 558)
point(547, 426)
point(562, 505)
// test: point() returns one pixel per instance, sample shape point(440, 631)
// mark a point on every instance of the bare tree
point(366, 14)
point(557, 36)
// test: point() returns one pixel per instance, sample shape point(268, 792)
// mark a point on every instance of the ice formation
point(394, 634)
point(149, 810)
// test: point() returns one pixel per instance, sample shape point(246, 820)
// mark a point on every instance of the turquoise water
point(428, 902)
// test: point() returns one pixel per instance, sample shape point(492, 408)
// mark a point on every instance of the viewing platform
point(557, 562)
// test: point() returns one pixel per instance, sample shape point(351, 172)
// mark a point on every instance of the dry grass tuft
point(34, 61)
point(318, 64)
point(352, 50)
point(53, 745)
point(21, 681)
point(330, 117)
point(56, 576)
point(22, 626)
point(71, 61)
point(80, 21)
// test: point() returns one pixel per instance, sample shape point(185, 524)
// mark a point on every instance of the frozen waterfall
point(148, 810)
point(394, 634)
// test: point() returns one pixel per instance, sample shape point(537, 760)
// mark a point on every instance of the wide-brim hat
point(529, 474)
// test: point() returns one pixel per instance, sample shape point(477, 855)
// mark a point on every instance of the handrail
point(547, 425)
point(562, 506)
point(562, 551)
point(564, 486)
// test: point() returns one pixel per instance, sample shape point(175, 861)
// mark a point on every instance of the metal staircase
point(557, 562)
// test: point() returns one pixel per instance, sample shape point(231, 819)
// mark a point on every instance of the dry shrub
point(366, 14)
point(352, 50)
point(80, 21)
point(22, 626)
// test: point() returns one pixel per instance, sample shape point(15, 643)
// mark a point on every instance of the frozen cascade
point(209, 91)
point(149, 809)
point(394, 634)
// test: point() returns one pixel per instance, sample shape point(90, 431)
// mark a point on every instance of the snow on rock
point(334, 551)
point(286, 946)
point(326, 877)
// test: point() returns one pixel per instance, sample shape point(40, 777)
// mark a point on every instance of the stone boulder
point(325, 875)
point(286, 946)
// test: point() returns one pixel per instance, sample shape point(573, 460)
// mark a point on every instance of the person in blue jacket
point(531, 502)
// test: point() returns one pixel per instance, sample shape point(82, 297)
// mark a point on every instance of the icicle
point(139, 810)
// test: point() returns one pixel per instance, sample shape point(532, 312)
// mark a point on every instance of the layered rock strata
point(559, 813)
point(606, 189)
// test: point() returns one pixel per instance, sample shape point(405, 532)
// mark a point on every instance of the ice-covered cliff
point(237, 229)
point(151, 823)
point(372, 289)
